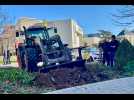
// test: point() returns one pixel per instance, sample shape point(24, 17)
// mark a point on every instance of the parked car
point(93, 53)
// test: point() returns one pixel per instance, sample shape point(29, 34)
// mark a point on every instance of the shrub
point(95, 67)
point(15, 75)
point(129, 69)
point(124, 54)
point(101, 72)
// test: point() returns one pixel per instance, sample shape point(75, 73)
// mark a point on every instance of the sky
point(90, 17)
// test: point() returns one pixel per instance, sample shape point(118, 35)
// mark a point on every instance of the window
point(52, 32)
point(36, 32)
point(17, 34)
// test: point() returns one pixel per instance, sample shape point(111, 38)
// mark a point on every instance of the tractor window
point(55, 30)
point(37, 33)
point(56, 45)
point(22, 33)
point(17, 34)
point(52, 32)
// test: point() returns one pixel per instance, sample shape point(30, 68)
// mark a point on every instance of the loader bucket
point(72, 64)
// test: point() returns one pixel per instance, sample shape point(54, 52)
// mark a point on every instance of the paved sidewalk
point(9, 65)
point(116, 86)
point(13, 62)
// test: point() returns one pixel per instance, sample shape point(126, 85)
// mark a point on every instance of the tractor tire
point(31, 59)
point(20, 57)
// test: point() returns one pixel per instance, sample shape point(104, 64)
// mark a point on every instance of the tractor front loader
point(42, 50)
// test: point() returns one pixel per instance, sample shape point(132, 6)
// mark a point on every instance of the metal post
point(79, 51)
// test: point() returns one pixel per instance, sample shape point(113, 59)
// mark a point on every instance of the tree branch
point(118, 23)
point(126, 12)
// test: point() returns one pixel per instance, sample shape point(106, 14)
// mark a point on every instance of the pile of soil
point(64, 77)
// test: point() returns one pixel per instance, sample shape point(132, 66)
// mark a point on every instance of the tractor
point(42, 50)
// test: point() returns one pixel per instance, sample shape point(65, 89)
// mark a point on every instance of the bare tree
point(4, 18)
point(124, 16)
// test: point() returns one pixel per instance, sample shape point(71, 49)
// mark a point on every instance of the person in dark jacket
point(4, 57)
point(8, 57)
point(113, 48)
point(105, 46)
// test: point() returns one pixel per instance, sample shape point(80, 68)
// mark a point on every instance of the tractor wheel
point(20, 57)
point(31, 60)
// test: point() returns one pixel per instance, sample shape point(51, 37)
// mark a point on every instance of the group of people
point(109, 49)
point(6, 57)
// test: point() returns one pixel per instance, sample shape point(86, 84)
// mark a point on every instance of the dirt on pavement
point(65, 77)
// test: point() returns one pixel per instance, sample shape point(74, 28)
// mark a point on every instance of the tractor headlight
point(40, 64)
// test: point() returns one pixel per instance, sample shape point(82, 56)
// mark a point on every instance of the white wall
point(63, 29)
point(26, 22)
point(68, 30)
point(77, 33)
point(130, 38)
point(92, 40)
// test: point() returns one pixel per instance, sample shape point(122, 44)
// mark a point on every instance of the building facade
point(70, 32)
point(26, 21)
point(129, 35)
point(1, 46)
point(92, 39)
point(7, 39)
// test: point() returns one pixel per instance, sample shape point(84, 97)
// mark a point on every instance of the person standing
point(5, 56)
point(113, 48)
point(105, 46)
point(8, 57)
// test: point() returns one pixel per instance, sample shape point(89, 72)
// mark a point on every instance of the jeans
point(4, 60)
point(112, 58)
point(106, 58)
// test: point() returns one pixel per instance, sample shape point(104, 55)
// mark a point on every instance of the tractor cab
point(42, 32)
point(48, 42)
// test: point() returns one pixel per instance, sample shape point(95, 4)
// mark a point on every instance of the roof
point(58, 20)
point(93, 35)
point(27, 19)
